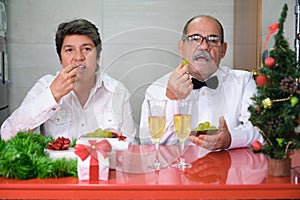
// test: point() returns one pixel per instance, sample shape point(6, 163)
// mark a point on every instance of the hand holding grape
point(64, 82)
point(220, 140)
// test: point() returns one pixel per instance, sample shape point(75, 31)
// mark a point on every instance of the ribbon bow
point(272, 29)
point(84, 151)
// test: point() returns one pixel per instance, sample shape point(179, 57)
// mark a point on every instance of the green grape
point(184, 62)
point(99, 133)
point(200, 127)
point(206, 124)
point(106, 134)
point(203, 129)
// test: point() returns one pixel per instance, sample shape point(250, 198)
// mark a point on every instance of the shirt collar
point(103, 79)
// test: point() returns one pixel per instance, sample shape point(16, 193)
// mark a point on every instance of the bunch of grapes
point(203, 129)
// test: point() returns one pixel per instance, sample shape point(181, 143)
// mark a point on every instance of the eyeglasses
point(197, 39)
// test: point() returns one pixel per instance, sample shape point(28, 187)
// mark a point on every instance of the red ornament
point(256, 145)
point(261, 80)
point(269, 62)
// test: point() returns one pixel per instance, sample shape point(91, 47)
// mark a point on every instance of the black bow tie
point(211, 83)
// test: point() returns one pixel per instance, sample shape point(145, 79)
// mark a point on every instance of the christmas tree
point(276, 108)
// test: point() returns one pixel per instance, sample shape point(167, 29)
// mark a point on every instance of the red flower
point(261, 80)
point(256, 145)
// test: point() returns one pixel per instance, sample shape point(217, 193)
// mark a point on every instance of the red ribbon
point(122, 138)
point(272, 29)
point(84, 151)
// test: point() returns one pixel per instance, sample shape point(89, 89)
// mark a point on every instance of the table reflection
point(236, 166)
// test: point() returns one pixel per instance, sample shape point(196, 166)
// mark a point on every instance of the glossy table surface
point(234, 174)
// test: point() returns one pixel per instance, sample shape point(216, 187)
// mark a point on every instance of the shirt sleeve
point(144, 135)
point(245, 133)
point(38, 106)
point(128, 127)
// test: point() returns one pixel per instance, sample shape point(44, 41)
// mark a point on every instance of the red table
point(234, 174)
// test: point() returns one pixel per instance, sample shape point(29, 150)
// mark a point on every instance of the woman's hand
point(64, 82)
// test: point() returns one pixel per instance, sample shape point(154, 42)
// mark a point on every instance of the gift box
point(116, 143)
point(59, 154)
point(93, 160)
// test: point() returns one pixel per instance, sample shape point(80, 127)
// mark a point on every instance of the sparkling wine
point(157, 126)
point(182, 126)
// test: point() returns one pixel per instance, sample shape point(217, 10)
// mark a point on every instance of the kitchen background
point(139, 37)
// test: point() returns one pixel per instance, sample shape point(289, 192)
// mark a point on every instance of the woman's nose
point(79, 55)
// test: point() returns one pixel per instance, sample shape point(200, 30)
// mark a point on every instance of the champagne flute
point(157, 126)
point(182, 128)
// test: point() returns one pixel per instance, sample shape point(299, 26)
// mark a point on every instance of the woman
point(80, 98)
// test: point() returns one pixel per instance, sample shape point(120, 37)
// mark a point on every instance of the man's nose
point(203, 44)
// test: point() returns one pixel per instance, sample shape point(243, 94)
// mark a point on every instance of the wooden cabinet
point(247, 34)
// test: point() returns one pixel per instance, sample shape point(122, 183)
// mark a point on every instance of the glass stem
point(181, 152)
point(156, 152)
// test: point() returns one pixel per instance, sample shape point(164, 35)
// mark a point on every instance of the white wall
point(271, 14)
point(139, 37)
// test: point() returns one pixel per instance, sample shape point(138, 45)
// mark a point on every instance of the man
point(80, 98)
point(223, 101)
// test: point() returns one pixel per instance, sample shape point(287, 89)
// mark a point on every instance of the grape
point(203, 128)
point(200, 127)
point(99, 133)
point(206, 124)
point(184, 62)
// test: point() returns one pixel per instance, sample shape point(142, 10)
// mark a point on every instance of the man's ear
point(180, 47)
point(224, 49)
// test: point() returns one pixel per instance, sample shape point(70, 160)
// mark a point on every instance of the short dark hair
point(198, 16)
point(77, 27)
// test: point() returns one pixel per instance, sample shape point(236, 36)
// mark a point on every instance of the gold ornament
point(267, 103)
point(254, 73)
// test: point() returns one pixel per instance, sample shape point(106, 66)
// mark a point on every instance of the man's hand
point(179, 84)
point(213, 168)
point(64, 82)
point(221, 140)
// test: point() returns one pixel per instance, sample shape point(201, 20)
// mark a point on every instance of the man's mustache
point(202, 54)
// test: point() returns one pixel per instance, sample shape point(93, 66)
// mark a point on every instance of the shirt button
point(54, 109)
point(82, 124)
